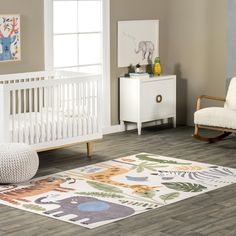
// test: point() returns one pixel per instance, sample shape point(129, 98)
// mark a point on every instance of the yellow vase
point(157, 70)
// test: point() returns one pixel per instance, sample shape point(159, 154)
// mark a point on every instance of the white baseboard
point(130, 126)
point(112, 129)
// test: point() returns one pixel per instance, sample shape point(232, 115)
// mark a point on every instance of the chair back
point(231, 95)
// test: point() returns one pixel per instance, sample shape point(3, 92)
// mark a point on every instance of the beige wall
point(32, 35)
point(192, 45)
point(197, 48)
point(231, 57)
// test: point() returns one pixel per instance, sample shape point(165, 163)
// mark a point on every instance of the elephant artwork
point(138, 42)
point(147, 49)
point(92, 209)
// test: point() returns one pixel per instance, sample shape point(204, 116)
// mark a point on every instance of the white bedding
point(43, 128)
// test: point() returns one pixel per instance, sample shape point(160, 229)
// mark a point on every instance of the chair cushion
point(216, 116)
point(231, 95)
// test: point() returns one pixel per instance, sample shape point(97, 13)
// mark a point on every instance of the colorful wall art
point(138, 42)
point(10, 38)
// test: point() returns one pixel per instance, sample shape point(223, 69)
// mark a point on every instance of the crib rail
point(50, 108)
point(36, 76)
point(26, 77)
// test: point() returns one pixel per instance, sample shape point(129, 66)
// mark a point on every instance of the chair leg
point(208, 139)
point(196, 130)
point(89, 149)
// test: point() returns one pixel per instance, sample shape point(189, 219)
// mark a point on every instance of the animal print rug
point(105, 192)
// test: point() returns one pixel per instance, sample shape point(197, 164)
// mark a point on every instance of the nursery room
point(117, 117)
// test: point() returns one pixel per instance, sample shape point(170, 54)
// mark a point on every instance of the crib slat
point(85, 108)
point(73, 110)
point(25, 109)
point(58, 100)
point(69, 134)
point(79, 127)
point(19, 139)
point(31, 132)
point(36, 115)
point(92, 106)
point(47, 114)
point(13, 115)
point(53, 115)
point(41, 93)
point(64, 130)
point(96, 104)
point(89, 107)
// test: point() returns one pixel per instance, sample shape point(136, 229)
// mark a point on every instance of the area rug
point(105, 192)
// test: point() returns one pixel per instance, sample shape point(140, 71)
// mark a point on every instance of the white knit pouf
point(18, 163)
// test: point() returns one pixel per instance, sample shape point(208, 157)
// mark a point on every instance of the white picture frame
point(138, 42)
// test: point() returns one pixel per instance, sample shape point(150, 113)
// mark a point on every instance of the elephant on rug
point(92, 209)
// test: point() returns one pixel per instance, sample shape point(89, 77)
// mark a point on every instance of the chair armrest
point(199, 99)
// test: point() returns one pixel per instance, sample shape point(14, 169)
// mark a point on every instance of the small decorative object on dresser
point(145, 100)
point(139, 75)
point(157, 70)
point(138, 68)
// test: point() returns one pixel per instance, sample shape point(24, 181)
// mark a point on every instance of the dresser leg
point(174, 121)
point(139, 125)
point(123, 126)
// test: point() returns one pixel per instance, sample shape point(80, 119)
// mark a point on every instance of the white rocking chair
point(217, 118)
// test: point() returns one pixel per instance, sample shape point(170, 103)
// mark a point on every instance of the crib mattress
point(35, 127)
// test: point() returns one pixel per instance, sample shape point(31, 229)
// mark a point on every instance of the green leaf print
point(169, 196)
point(148, 194)
point(104, 187)
point(139, 168)
point(138, 203)
point(146, 165)
point(101, 194)
point(33, 207)
point(146, 157)
point(185, 187)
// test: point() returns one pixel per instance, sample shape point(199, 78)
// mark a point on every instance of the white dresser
point(145, 100)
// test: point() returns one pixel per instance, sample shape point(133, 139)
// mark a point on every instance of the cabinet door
point(158, 99)
point(129, 99)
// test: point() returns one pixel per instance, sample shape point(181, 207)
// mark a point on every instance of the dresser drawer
point(158, 99)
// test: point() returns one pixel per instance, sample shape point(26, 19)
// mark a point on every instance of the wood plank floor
point(212, 214)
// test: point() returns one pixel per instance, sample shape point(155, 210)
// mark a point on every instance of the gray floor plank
point(213, 213)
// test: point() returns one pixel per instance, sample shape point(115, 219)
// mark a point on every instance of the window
point(77, 38)
point(77, 35)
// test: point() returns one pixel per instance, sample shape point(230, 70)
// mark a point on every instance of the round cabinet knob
point(158, 98)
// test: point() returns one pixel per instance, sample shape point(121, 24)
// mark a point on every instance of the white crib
point(50, 109)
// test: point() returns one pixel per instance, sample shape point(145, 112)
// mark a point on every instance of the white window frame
point(48, 54)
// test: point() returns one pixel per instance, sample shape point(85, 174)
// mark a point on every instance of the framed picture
point(138, 42)
point(10, 38)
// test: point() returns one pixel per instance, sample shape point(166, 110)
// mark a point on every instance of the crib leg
point(89, 149)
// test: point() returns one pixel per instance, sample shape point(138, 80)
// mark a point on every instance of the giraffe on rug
point(105, 176)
